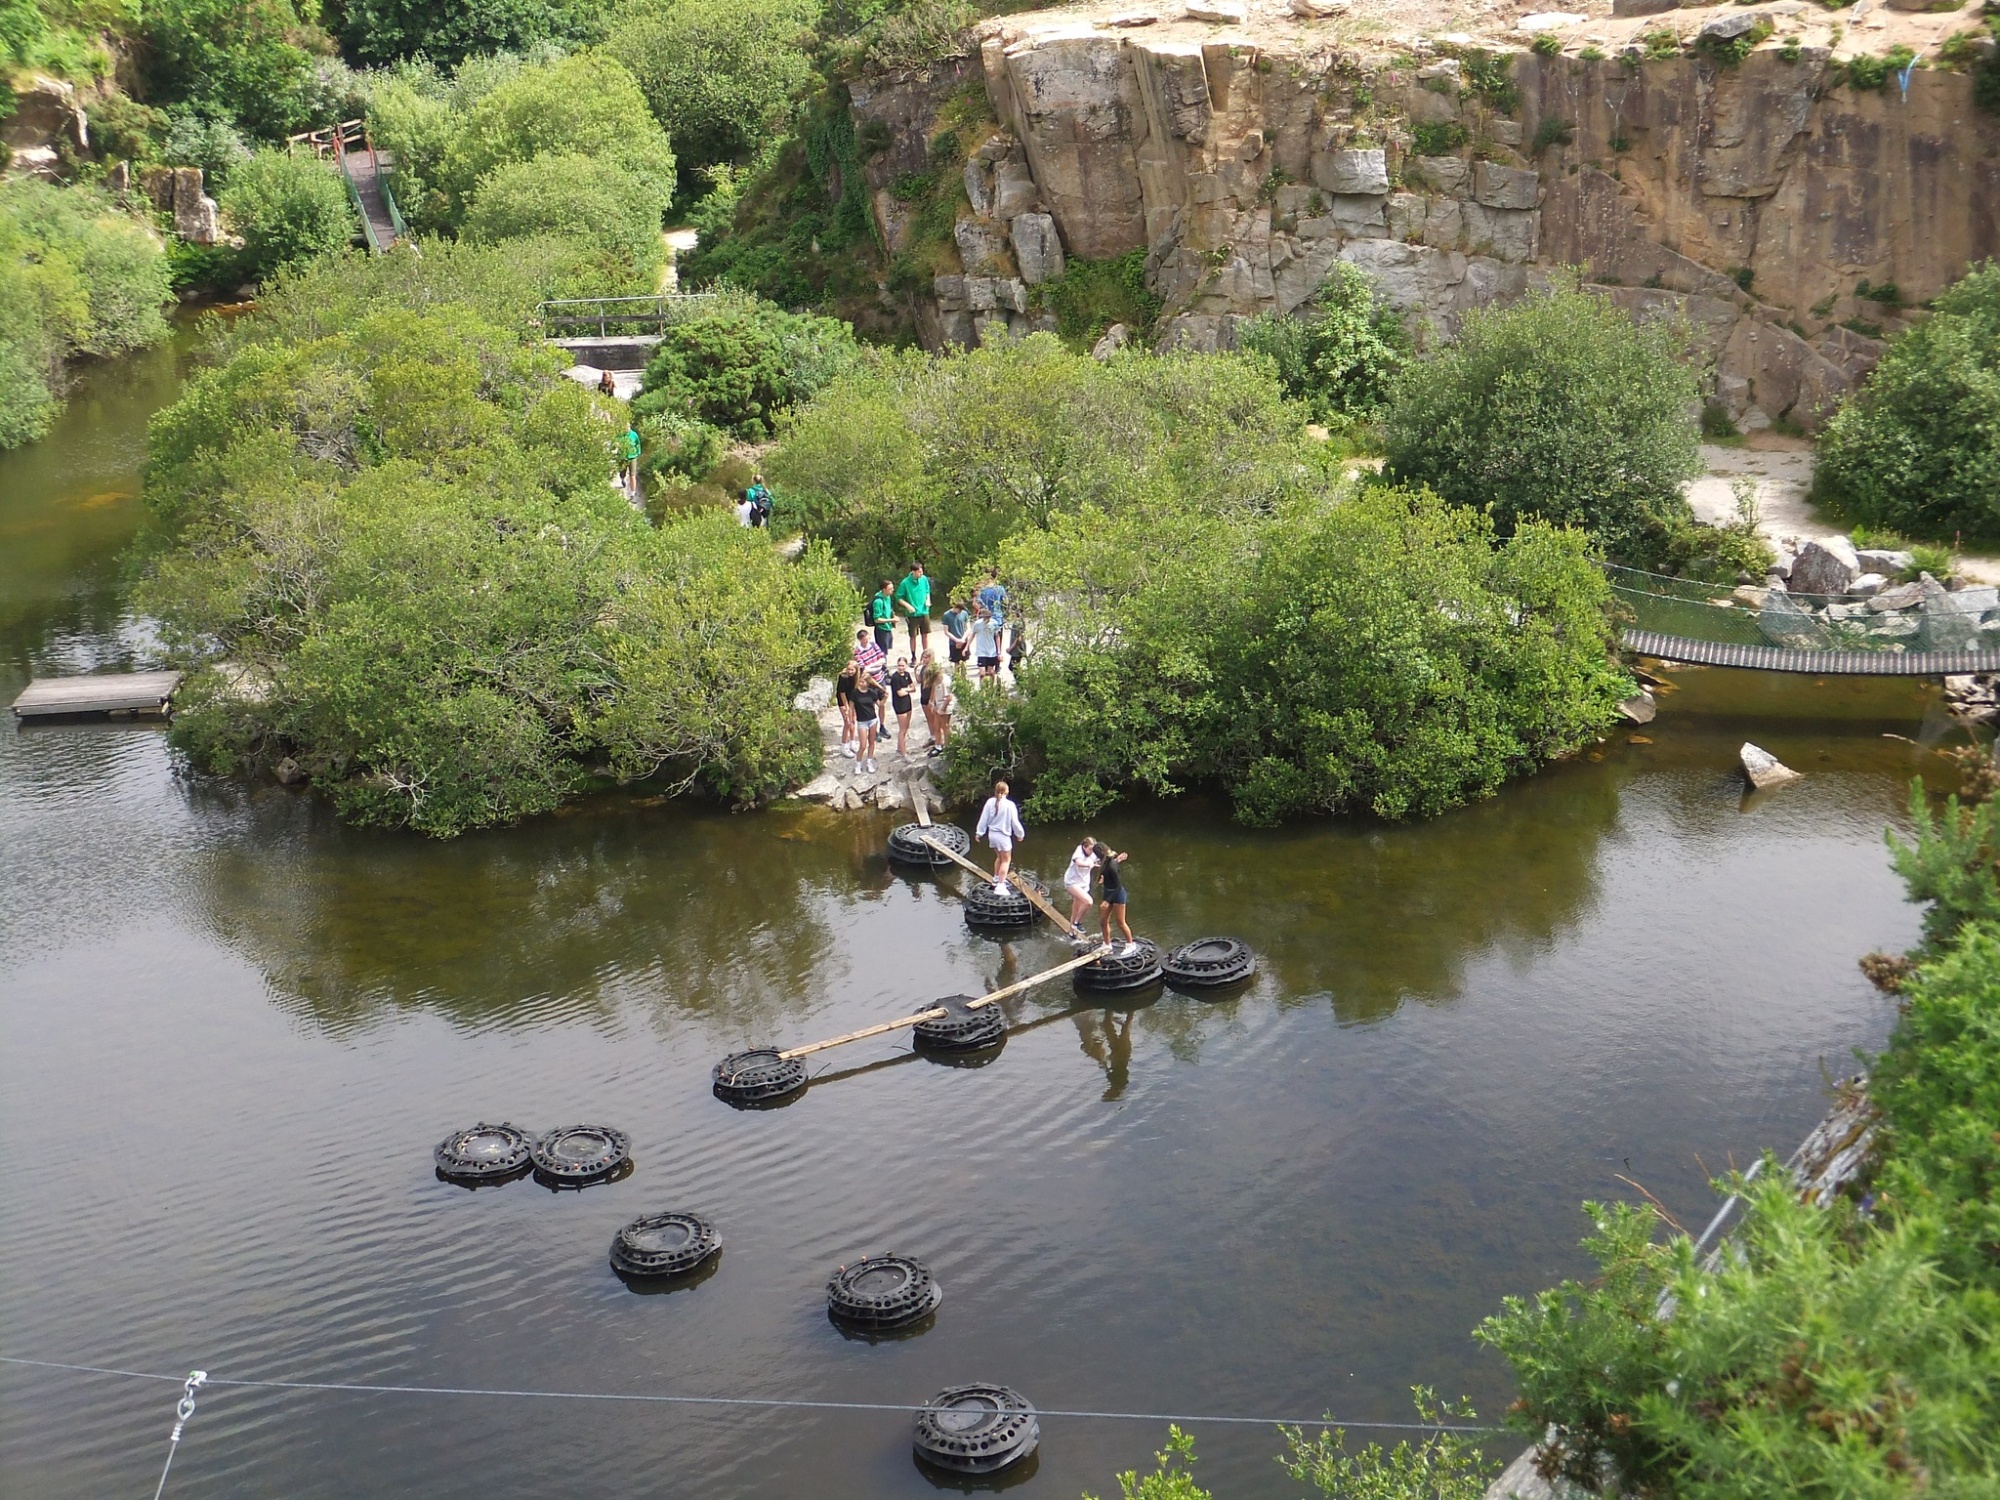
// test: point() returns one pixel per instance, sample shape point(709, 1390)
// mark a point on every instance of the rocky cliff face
point(1751, 198)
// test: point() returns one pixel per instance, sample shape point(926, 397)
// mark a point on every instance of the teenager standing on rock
point(958, 633)
point(900, 683)
point(1000, 826)
point(986, 646)
point(882, 616)
point(913, 602)
point(843, 699)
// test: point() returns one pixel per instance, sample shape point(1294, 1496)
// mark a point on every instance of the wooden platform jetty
point(143, 694)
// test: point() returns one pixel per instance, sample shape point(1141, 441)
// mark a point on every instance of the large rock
point(1352, 171)
point(982, 245)
point(1496, 186)
point(1783, 621)
point(1643, 7)
point(1880, 560)
point(1038, 248)
point(1824, 567)
point(978, 187)
point(1903, 596)
point(1013, 190)
point(1763, 769)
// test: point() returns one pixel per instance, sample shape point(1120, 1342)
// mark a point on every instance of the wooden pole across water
point(938, 1012)
point(1034, 896)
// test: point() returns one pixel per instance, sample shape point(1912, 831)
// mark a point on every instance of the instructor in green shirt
point(882, 617)
point(913, 602)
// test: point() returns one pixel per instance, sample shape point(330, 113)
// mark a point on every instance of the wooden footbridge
point(353, 151)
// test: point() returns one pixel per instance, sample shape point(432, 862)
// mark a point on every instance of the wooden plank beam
point(1035, 898)
point(98, 693)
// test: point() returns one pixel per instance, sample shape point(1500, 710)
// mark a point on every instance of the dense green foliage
point(580, 198)
point(248, 61)
point(743, 362)
point(448, 31)
point(1559, 407)
point(1852, 1350)
point(719, 74)
point(1339, 353)
point(1091, 295)
point(944, 458)
point(77, 277)
point(385, 543)
point(288, 209)
point(1918, 446)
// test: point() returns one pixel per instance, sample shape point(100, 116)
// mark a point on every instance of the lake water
point(231, 1032)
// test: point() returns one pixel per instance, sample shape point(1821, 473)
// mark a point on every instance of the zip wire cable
point(762, 1402)
point(185, 1409)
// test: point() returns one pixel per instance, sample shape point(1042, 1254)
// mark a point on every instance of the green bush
point(399, 524)
point(447, 31)
point(737, 367)
point(78, 276)
point(289, 210)
point(1559, 407)
point(195, 139)
point(246, 61)
point(1437, 137)
point(580, 198)
point(1917, 448)
point(1091, 295)
point(719, 74)
point(1340, 353)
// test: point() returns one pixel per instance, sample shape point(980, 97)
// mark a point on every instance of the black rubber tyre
point(1207, 963)
point(758, 1078)
point(485, 1153)
point(882, 1291)
point(962, 1030)
point(1000, 910)
point(577, 1154)
point(907, 846)
point(976, 1429)
point(1117, 972)
point(664, 1245)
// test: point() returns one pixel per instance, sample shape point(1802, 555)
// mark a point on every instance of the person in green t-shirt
point(882, 615)
point(628, 459)
point(913, 602)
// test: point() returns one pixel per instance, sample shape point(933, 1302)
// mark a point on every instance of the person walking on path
point(1111, 897)
point(607, 385)
point(760, 501)
point(992, 597)
point(629, 448)
point(1076, 880)
point(900, 683)
point(986, 646)
point(868, 697)
point(843, 699)
point(934, 689)
point(958, 633)
point(913, 602)
point(1000, 826)
point(867, 655)
point(882, 616)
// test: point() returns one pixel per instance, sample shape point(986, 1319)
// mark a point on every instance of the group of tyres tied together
point(968, 1429)
point(979, 1428)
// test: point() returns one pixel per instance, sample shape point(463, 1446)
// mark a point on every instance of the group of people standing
point(873, 675)
point(1001, 827)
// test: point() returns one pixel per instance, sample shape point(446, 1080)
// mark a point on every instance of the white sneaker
point(848, 751)
point(1129, 950)
point(999, 887)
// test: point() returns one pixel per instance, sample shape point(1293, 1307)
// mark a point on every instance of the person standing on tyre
point(882, 616)
point(1000, 826)
point(1111, 897)
point(1076, 880)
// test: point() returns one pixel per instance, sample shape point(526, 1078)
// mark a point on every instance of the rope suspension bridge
point(1912, 630)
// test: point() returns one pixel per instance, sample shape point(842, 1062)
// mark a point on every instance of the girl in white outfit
point(1000, 826)
point(1076, 879)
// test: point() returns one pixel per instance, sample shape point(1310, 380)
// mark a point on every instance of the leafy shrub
point(1546, 44)
point(1091, 295)
point(719, 74)
point(580, 198)
point(1437, 137)
point(245, 61)
point(1340, 353)
point(401, 522)
point(1172, 1477)
point(1559, 407)
point(195, 139)
point(739, 366)
point(1867, 72)
point(77, 276)
point(447, 31)
point(289, 210)
point(1551, 132)
point(1917, 447)
point(1489, 77)
point(1440, 1466)
point(679, 447)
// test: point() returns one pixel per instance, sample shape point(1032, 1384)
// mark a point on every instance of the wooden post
point(937, 1012)
point(922, 804)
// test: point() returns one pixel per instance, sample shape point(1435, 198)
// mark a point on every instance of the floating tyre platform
point(1117, 971)
point(580, 1154)
point(1000, 911)
point(664, 1245)
point(907, 846)
point(880, 1292)
point(485, 1153)
point(961, 1029)
point(1208, 963)
point(976, 1429)
point(759, 1078)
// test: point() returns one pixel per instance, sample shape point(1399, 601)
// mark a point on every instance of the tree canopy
point(741, 363)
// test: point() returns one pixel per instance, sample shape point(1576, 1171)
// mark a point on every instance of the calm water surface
point(231, 1031)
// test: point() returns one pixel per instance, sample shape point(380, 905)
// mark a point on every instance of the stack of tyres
point(976, 1429)
point(669, 1244)
point(907, 844)
point(1000, 911)
point(961, 1029)
point(758, 1079)
point(485, 1153)
point(1209, 963)
point(1117, 971)
point(880, 1292)
point(577, 1155)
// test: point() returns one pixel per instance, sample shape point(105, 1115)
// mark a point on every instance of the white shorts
point(1080, 891)
point(1003, 843)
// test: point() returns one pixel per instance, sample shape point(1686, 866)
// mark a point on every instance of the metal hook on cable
point(183, 1409)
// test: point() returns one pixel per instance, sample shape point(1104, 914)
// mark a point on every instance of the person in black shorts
point(843, 699)
point(900, 683)
point(1111, 896)
point(868, 696)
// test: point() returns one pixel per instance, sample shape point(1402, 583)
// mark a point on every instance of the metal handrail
point(647, 313)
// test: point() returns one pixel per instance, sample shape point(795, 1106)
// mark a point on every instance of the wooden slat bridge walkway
point(1815, 663)
point(353, 150)
point(141, 694)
